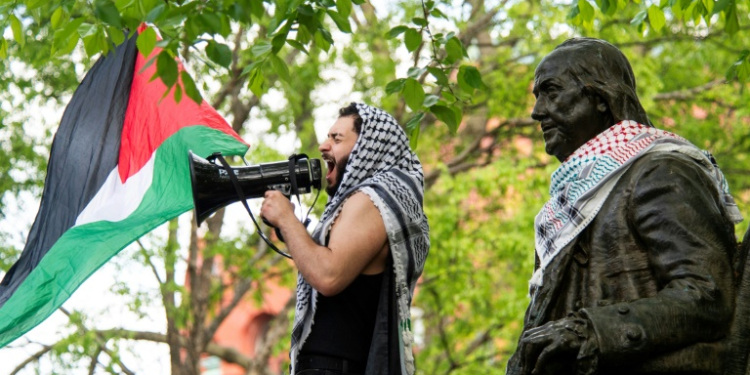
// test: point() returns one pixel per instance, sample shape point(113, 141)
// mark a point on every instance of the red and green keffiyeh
point(118, 168)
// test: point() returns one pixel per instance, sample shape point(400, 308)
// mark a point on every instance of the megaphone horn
point(213, 188)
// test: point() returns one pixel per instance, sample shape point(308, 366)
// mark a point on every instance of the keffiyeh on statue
point(383, 167)
point(582, 183)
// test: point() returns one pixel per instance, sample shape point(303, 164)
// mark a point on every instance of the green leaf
point(220, 53)
point(116, 35)
point(261, 48)
point(639, 18)
point(57, 18)
point(106, 11)
point(297, 45)
point(166, 68)
point(448, 96)
point(278, 42)
point(255, 83)
point(33, 4)
point(86, 30)
point(446, 115)
point(344, 7)
point(341, 22)
point(656, 17)
point(396, 31)
point(3, 48)
point(255, 65)
point(67, 45)
point(454, 49)
point(395, 86)
point(721, 5)
point(414, 137)
point(732, 21)
point(586, 10)
point(412, 39)
point(414, 122)
point(15, 25)
point(470, 77)
point(603, 5)
point(574, 12)
point(413, 94)
point(146, 42)
point(190, 88)
point(95, 42)
point(303, 35)
point(415, 72)
point(436, 13)
point(419, 21)
point(321, 41)
point(743, 71)
point(177, 94)
point(430, 100)
point(280, 67)
point(359, 2)
point(156, 13)
point(211, 21)
point(440, 76)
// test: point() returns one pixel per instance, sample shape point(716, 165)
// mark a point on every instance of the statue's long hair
point(600, 68)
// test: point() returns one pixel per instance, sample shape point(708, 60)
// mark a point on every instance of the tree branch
point(277, 328)
point(459, 163)
point(230, 355)
point(34, 357)
point(101, 342)
point(689, 93)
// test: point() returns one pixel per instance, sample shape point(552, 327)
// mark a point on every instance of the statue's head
point(582, 88)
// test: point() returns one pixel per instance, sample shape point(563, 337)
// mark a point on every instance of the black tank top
point(344, 323)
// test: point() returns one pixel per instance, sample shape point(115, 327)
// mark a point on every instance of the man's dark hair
point(351, 111)
point(602, 69)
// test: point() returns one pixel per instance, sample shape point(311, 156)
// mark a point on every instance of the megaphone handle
point(277, 230)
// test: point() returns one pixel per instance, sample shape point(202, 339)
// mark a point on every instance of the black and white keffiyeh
point(382, 166)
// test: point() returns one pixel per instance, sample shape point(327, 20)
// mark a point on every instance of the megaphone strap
point(241, 195)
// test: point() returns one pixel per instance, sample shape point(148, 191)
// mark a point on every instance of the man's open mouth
point(330, 165)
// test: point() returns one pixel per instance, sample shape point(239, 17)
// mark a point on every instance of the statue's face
point(568, 116)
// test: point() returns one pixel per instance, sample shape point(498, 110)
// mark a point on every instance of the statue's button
point(623, 310)
point(633, 335)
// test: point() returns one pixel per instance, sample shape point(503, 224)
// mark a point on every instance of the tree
point(466, 65)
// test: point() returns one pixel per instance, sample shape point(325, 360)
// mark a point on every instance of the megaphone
point(213, 188)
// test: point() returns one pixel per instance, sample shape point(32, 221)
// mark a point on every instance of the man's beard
point(340, 168)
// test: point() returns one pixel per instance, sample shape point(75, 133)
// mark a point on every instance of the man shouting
point(358, 271)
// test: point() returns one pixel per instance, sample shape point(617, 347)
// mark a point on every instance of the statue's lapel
point(545, 296)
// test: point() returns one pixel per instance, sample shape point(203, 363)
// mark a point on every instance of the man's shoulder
point(359, 205)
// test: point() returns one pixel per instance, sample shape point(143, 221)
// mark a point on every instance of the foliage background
point(457, 74)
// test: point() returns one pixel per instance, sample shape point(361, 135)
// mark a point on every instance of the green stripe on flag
point(83, 249)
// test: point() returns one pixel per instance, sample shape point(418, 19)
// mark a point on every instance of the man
point(635, 248)
point(358, 271)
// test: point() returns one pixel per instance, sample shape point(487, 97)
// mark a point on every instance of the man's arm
point(357, 237)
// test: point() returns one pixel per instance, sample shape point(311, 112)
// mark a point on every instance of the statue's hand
point(554, 345)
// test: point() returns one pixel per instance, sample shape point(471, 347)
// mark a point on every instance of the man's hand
point(555, 344)
point(276, 208)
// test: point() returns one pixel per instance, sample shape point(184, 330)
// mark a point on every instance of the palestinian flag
point(118, 169)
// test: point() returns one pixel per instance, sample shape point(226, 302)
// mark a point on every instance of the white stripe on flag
point(115, 201)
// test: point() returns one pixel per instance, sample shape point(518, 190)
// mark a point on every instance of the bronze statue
point(636, 257)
